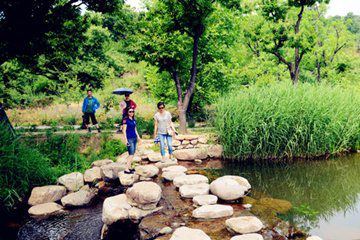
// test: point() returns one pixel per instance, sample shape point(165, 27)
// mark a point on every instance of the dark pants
point(87, 117)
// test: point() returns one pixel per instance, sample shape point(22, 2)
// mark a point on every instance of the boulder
point(190, 191)
point(92, 174)
point(147, 171)
point(191, 154)
point(100, 163)
point(167, 163)
point(128, 179)
point(227, 189)
point(175, 169)
point(111, 171)
point(185, 142)
point(201, 200)
point(145, 153)
point(51, 193)
point(176, 143)
point(45, 209)
point(77, 199)
point(250, 236)
point(213, 211)
point(194, 142)
point(242, 225)
point(202, 140)
point(144, 195)
point(190, 180)
point(72, 181)
point(154, 157)
point(314, 238)
point(170, 175)
point(115, 208)
point(215, 151)
point(185, 233)
point(189, 146)
point(242, 181)
point(136, 214)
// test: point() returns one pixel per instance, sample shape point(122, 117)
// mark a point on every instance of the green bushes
point(283, 121)
point(110, 148)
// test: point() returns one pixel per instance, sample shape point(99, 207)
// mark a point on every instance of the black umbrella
point(122, 91)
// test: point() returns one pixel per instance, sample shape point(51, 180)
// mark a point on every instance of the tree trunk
point(318, 67)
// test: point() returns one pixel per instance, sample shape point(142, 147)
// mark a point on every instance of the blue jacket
point(96, 104)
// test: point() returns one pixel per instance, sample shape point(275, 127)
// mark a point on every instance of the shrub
point(110, 148)
point(145, 126)
point(283, 121)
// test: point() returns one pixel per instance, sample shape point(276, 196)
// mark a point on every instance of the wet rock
point(201, 200)
point(175, 169)
point(100, 163)
point(242, 181)
point(72, 181)
point(77, 199)
point(147, 171)
point(167, 163)
point(242, 225)
point(314, 238)
point(111, 171)
point(215, 151)
point(115, 208)
point(92, 174)
point(213, 211)
point(144, 195)
point(227, 189)
point(45, 209)
point(247, 206)
point(169, 176)
point(185, 233)
point(51, 193)
point(128, 179)
point(190, 180)
point(166, 230)
point(190, 191)
point(250, 236)
point(136, 214)
point(191, 154)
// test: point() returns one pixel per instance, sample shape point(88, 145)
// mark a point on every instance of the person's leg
point(162, 146)
point(87, 121)
point(131, 149)
point(169, 144)
point(94, 121)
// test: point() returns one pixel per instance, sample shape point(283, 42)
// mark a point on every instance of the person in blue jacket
point(89, 107)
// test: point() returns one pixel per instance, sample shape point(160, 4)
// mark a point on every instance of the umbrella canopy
point(122, 91)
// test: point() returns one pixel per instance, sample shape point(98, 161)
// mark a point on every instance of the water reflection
point(325, 194)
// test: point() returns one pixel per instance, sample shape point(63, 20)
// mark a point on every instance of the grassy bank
point(287, 122)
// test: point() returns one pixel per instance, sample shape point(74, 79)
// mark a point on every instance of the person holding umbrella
point(126, 104)
point(89, 107)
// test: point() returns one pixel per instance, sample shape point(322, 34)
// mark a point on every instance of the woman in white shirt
point(164, 129)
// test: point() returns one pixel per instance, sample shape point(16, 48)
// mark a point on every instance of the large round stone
point(190, 191)
point(201, 200)
point(111, 171)
point(72, 181)
point(213, 211)
point(45, 209)
point(77, 199)
point(92, 174)
point(191, 154)
point(128, 179)
point(167, 163)
point(227, 189)
point(144, 193)
point(147, 171)
point(100, 163)
point(242, 181)
point(115, 208)
point(250, 236)
point(51, 193)
point(175, 169)
point(185, 233)
point(247, 224)
point(170, 175)
point(190, 180)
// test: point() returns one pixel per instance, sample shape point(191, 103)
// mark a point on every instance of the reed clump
point(282, 121)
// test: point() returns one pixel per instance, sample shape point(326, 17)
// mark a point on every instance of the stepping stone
point(201, 200)
point(175, 169)
point(250, 236)
point(45, 209)
point(72, 181)
point(190, 180)
point(92, 174)
point(77, 199)
point(185, 233)
point(115, 208)
point(111, 171)
point(51, 193)
point(227, 189)
point(190, 191)
point(147, 171)
point(128, 179)
point(137, 213)
point(167, 163)
point(156, 157)
point(242, 225)
point(170, 175)
point(100, 163)
point(213, 211)
point(242, 181)
point(144, 195)
point(191, 154)
point(215, 151)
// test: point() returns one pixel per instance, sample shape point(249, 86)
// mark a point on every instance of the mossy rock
point(278, 205)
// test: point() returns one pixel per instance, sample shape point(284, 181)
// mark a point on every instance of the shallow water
point(325, 194)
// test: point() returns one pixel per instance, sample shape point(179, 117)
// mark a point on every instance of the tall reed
point(283, 121)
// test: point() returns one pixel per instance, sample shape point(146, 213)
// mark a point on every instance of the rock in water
point(51, 193)
point(213, 211)
point(77, 199)
point(215, 151)
point(227, 189)
point(115, 208)
point(45, 209)
point(147, 171)
point(167, 163)
point(191, 154)
point(169, 176)
point(128, 179)
point(201, 200)
point(190, 191)
point(240, 180)
point(92, 174)
point(144, 195)
point(242, 225)
point(175, 169)
point(250, 236)
point(185, 233)
point(190, 180)
point(72, 181)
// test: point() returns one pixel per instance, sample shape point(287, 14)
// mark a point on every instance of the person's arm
point(134, 105)
point(124, 131)
point(83, 106)
point(155, 127)
point(97, 103)
point(137, 134)
point(172, 124)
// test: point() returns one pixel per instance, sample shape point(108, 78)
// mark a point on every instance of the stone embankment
point(168, 200)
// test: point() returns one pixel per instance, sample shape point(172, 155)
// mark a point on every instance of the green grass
point(281, 121)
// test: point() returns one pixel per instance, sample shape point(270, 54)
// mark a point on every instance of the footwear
point(99, 131)
point(132, 170)
point(127, 172)
point(89, 130)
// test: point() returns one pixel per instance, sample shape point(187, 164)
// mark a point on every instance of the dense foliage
point(281, 121)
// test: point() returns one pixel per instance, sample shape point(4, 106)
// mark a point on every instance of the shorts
point(131, 145)
point(87, 117)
